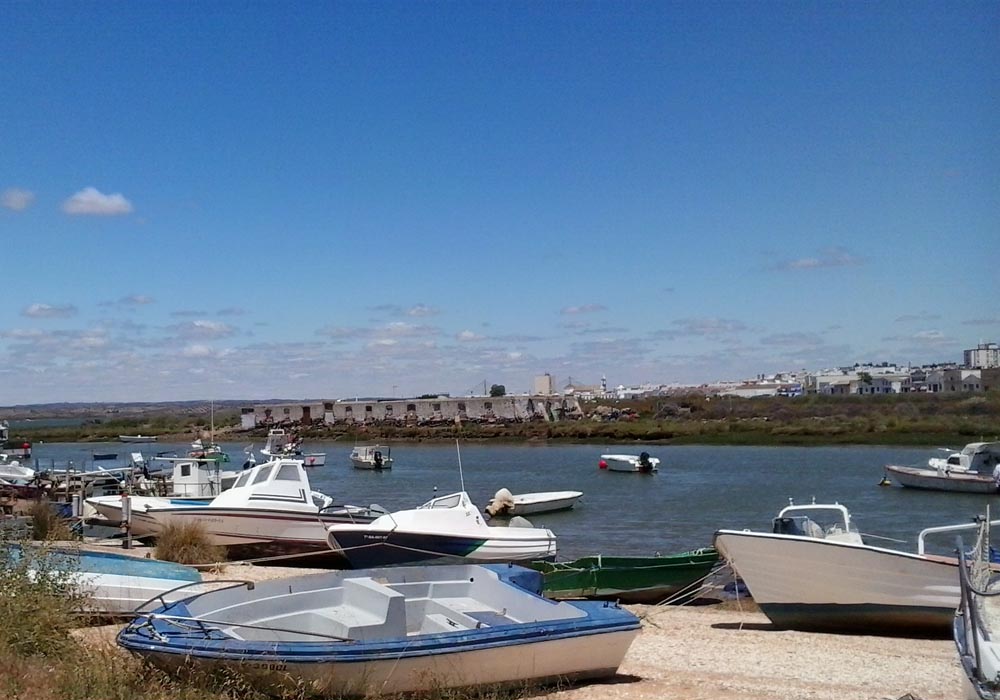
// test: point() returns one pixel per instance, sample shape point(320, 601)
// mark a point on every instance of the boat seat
point(369, 610)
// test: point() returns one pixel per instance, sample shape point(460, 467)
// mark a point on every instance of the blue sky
point(318, 200)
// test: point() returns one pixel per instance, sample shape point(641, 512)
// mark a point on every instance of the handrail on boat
point(947, 528)
point(201, 623)
point(159, 596)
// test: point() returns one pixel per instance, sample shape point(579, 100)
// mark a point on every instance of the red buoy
point(602, 464)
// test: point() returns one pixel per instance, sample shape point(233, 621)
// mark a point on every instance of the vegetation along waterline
point(907, 419)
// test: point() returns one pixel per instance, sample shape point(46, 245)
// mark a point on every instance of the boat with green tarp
point(655, 579)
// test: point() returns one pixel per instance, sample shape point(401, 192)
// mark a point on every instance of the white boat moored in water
point(371, 457)
point(506, 503)
point(641, 463)
point(970, 471)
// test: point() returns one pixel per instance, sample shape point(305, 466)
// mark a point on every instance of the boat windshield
point(451, 501)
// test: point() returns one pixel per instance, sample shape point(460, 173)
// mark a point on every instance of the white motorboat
point(271, 512)
point(506, 503)
point(12, 471)
point(815, 572)
point(448, 527)
point(282, 444)
point(371, 457)
point(138, 438)
point(976, 628)
point(968, 471)
point(383, 632)
point(641, 463)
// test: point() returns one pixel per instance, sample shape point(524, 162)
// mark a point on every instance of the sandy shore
point(722, 651)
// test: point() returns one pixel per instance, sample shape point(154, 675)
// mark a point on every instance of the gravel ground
point(723, 651)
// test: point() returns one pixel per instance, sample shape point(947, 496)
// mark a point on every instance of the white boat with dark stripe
point(271, 512)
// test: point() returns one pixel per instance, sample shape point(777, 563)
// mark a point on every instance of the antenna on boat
point(461, 476)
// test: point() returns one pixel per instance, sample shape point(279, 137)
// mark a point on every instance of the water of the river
point(698, 489)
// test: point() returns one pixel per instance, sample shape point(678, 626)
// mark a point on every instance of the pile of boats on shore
point(497, 607)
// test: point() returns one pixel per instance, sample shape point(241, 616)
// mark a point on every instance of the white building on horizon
point(983, 356)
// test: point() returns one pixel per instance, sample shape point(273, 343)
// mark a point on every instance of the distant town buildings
point(983, 356)
point(980, 372)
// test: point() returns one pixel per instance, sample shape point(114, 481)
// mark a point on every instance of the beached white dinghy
point(384, 631)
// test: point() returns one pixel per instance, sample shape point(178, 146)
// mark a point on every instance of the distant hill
point(100, 408)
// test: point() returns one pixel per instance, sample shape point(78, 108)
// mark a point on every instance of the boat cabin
point(277, 484)
point(817, 520)
point(977, 457)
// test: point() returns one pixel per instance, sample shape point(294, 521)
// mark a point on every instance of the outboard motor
point(644, 463)
point(502, 503)
point(377, 458)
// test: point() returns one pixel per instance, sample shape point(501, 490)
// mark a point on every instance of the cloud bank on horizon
point(340, 200)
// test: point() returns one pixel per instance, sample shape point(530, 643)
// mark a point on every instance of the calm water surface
point(698, 489)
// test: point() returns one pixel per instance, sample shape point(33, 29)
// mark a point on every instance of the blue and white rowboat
point(392, 630)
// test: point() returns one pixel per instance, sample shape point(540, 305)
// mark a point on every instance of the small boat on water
point(641, 463)
point(138, 438)
point(814, 572)
point(968, 471)
point(445, 528)
point(386, 631)
point(282, 444)
point(114, 584)
point(371, 457)
point(505, 503)
point(271, 513)
point(648, 580)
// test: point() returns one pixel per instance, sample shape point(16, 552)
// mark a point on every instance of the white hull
point(932, 479)
point(590, 656)
point(313, 459)
point(231, 527)
point(367, 464)
point(120, 594)
point(806, 583)
point(543, 502)
point(629, 463)
point(110, 507)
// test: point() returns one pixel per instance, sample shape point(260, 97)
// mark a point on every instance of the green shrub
point(187, 543)
point(45, 524)
point(39, 600)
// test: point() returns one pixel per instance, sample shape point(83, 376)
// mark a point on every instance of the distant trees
point(498, 390)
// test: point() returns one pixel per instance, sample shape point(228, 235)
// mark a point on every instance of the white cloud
point(49, 311)
point(422, 310)
point(16, 199)
point(203, 330)
point(197, 350)
point(469, 337)
point(831, 257)
point(91, 202)
point(583, 309)
point(705, 327)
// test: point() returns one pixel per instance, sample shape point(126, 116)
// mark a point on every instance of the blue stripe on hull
point(881, 620)
point(365, 551)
